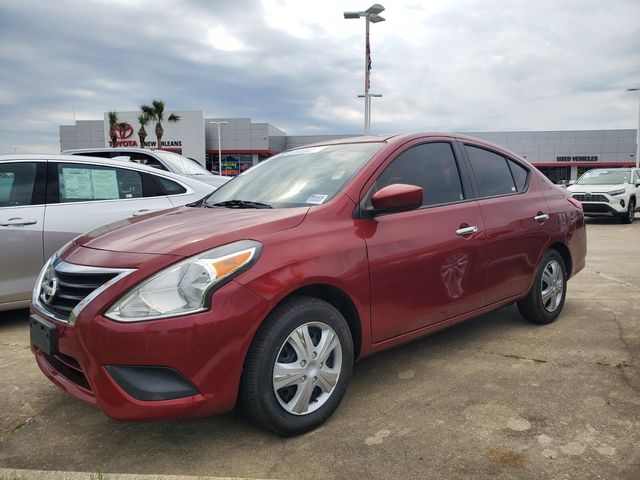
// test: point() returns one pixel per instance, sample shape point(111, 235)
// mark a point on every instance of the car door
point(22, 206)
point(425, 265)
point(84, 196)
point(516, 218)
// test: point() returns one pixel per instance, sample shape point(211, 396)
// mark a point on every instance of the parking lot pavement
point(495, 397)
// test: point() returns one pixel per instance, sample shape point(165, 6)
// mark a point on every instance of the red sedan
point(268, 290)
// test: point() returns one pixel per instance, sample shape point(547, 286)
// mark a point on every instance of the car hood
point(186, 231)
point(595, 188)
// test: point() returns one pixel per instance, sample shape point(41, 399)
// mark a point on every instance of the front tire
point(298, 367)
point(630, 214)
point(546, 298)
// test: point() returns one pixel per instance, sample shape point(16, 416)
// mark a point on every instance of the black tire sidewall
point(282, 323)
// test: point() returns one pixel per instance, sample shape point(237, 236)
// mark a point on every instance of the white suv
point(611, 191)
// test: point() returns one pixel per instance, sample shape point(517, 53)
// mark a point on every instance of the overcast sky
point(441, 65)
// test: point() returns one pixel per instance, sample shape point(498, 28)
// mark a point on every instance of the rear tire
point(298, 367)
point(630, 214)
point(546, 298)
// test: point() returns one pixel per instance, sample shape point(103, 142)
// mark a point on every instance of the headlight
point(186, 286)
point(616, 192)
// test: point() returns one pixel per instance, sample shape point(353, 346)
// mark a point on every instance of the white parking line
point(12, 474)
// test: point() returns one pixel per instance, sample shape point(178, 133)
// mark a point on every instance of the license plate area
point(43, 334)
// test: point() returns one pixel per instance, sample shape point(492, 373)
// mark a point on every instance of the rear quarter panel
point(568, 225)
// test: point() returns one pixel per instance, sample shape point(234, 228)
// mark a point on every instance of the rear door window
point(520, 175)
point(81, 183)
point(491, 171)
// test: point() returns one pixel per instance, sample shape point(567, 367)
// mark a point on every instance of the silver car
point(47, 200)
point(160, 159)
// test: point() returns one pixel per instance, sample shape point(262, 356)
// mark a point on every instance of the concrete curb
point(12, 474)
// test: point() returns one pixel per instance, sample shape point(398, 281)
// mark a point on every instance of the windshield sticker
point(338, 175)
point(317, 199)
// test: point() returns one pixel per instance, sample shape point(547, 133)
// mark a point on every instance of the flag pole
point(367, 82)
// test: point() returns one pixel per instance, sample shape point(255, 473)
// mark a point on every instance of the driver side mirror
point(398, 197)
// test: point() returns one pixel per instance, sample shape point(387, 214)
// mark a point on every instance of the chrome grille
point(582, 197)
point(63, 289)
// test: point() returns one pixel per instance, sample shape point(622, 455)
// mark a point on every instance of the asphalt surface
point(494, 397)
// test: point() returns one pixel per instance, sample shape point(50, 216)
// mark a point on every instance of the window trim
point(506, 157)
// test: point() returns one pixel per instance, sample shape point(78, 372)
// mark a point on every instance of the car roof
point(97, 161)
point(114, 149)
point(407, 137)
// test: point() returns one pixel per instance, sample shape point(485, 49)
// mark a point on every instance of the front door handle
point(464, 231)
point(18, 222)
point(541, 217)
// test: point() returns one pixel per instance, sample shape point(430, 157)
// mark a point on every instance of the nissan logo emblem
point(49, 289)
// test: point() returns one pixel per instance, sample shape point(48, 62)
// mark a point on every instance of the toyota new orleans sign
point(127, 139)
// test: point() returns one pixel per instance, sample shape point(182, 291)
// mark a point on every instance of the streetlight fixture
point(220, 146)
point(635, 89)
point(371, 16)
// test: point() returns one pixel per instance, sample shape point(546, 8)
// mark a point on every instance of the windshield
point(307, 176)
point(604, 177)
point(181, 164)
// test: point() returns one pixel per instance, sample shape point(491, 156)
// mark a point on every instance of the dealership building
point(561, 155)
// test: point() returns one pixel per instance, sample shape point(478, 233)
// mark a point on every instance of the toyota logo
point(125, 131)
point(49, 288)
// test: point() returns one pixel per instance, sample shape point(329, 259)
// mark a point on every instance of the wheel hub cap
point(307, 368)
point(552, 286)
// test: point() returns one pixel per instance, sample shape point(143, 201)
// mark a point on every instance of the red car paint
point(401, 275)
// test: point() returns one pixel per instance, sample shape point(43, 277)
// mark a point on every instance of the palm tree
point(113, 127)
point(155, 111)
point(143, 120)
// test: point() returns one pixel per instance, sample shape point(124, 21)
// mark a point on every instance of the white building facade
point(561, 155)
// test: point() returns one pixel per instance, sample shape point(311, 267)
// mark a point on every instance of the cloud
point(444, 65)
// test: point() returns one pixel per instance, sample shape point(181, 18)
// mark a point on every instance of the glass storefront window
point(232, 163)
point(558, 175)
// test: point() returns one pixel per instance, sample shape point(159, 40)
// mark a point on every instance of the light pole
point(370, 15)
point(635, 89)
point(220, 146)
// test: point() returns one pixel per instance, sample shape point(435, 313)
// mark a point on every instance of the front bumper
point(597, 208)
point(601, 203)
point(206, 349)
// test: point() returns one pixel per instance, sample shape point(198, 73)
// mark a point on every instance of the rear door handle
point(144, 211)
point(18, 222)
point(464, 231)
point(541, 217)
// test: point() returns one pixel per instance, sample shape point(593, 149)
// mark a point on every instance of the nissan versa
point(267, 291)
